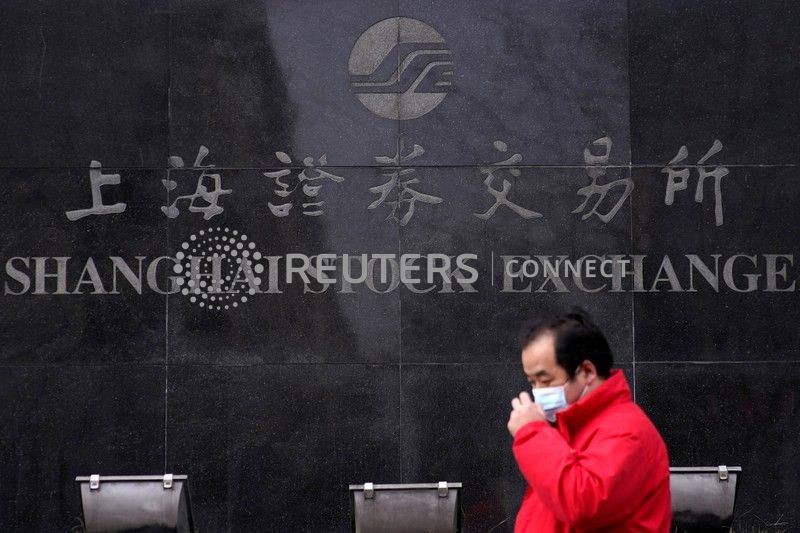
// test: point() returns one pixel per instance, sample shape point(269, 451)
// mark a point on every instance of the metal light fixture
point(406, 508)
point(136, 503)
point(703, 497)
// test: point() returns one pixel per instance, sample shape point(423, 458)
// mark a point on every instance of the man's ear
point(589, 367)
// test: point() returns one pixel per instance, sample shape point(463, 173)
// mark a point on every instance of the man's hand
point(523, 410)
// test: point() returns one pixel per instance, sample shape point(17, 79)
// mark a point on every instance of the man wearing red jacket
point(592, 459)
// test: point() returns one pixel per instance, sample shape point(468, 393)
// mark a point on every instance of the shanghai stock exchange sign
point(400, 68)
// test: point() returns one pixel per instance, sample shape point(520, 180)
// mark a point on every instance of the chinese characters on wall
point(298, 189)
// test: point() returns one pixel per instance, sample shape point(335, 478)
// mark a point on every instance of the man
point(592, 459)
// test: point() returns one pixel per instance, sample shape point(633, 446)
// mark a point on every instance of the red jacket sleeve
point(595, 487)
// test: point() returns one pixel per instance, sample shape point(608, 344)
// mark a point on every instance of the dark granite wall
point(274, 406)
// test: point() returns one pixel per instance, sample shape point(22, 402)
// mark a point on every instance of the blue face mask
point(553, 399)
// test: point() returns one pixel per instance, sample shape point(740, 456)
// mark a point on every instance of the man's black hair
point(577, 339)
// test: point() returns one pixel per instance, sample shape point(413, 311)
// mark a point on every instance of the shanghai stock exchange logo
point(400, 68)
point(218, 268)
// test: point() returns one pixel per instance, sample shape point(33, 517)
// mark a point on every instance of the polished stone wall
point(548, 128)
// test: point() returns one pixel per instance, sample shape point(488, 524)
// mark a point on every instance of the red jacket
point(605, 467)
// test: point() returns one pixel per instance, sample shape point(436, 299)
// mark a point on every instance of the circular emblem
point(400, 68)
point(218, 268)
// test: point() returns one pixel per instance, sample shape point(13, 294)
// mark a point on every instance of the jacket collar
point(614, 390)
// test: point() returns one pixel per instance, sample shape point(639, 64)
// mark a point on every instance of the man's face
point(540, 366)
